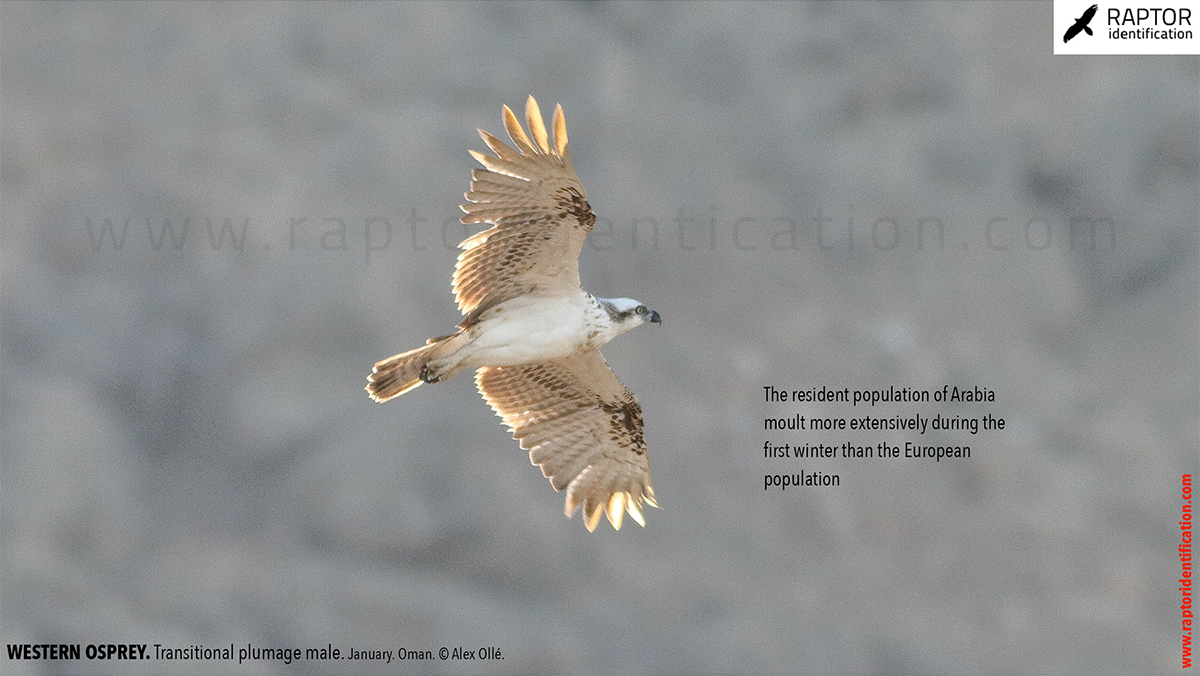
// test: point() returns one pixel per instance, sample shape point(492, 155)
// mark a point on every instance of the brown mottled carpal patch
point(572, 203)
point(626, 418)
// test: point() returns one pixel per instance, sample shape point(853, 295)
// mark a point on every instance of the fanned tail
point(396, 375)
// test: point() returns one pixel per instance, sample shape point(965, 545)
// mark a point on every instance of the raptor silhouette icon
point(1081, 24)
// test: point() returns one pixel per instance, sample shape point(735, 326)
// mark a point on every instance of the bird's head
point(627, 313)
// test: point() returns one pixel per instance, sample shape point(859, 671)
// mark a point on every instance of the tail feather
point(396, 375)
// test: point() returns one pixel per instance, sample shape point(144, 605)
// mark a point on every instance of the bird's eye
point(641, 309)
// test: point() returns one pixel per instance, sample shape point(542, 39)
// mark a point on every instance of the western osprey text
point(531, 330)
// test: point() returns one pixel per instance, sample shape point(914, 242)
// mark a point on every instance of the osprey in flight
point(533, 332)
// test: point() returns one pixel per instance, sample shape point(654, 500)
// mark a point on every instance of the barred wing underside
point(582, 426)
point(539, 214)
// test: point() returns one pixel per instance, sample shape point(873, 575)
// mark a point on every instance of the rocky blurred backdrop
point(216, 217)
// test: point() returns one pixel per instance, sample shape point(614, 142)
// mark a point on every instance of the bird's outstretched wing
point(582, 426)
point(539, 215)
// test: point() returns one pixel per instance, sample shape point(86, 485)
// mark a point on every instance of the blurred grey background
point(189, 456)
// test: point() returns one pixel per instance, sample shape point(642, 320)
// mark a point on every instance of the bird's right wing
point(539, 214)
point(582, 426)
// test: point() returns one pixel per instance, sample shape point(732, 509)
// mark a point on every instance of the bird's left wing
point(539, 214)
point(582, 426)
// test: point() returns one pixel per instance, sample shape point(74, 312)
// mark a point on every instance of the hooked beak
point(654, 318)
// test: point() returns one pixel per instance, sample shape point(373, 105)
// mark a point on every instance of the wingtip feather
point(648, 495)
point(499, 147)
point(593, 519)
point(516, 133)
point(560, 131)
point(616, 510)
point(635, 511)
point(537, 127)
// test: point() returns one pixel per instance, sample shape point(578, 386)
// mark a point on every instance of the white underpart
point(531, 328)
